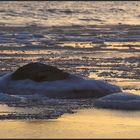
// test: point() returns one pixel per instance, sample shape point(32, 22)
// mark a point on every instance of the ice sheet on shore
point(122, 100)
point(76, 87)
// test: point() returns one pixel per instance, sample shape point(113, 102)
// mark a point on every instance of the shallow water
point(87, 123)
point(84, 38)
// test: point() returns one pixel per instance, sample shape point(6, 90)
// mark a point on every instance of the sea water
point(97, 40)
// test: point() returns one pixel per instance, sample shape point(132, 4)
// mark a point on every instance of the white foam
point(60, 88)
point(122, 100)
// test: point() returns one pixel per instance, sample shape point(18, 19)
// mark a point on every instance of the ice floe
point(121, 100)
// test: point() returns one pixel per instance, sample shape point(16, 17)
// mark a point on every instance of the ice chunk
point(75, 87)
point(121, 100)
point(8, 98)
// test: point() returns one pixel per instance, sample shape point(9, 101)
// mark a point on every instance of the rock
point(121, 100)
point(39, 72)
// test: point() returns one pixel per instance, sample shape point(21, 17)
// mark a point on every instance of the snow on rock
point(121, 100)
point(75, 87)
point(38, 78)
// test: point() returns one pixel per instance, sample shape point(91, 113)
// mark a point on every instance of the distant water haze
point(58, 13)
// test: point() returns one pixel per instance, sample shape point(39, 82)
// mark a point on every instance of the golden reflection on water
point(111, 45)
point(25, 52)
point(87, 123)
point(78, 44)
point(122, 43)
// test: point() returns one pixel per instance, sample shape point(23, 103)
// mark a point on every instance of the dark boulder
point(39, 72)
